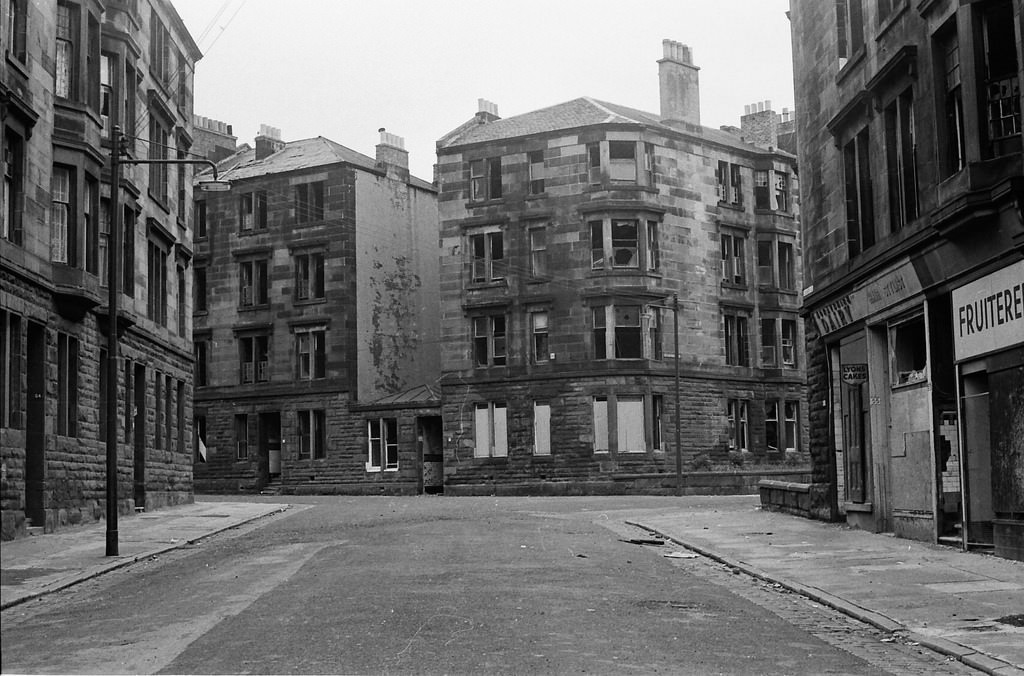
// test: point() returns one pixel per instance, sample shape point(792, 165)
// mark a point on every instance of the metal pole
point(679, 449)
point(113, 295)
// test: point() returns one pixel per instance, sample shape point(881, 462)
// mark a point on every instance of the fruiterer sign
point(988, 313)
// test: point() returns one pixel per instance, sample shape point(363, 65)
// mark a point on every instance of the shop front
point(988, 331)
point(888, 406)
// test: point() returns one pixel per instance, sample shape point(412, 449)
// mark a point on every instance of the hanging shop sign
point(988, 313)
point(882, 291)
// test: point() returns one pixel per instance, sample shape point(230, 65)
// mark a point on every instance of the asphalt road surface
point(442, 586)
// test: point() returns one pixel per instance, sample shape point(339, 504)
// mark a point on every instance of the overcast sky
point(343, 69)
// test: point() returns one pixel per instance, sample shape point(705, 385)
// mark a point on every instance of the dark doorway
point(139, 473)
point(269, 447)
point(431, 452)
point(35, 426)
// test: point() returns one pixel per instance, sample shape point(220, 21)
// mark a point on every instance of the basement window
point(908, 352)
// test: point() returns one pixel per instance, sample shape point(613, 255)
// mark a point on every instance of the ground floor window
point(541, 428)
point(241, 436)
point(312, 434)
point(382, 434)
point(737, 411)
point(629, 414)
point(491, 430)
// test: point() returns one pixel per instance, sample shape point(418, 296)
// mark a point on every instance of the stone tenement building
point(909, 130)
point(565, 234)
point(316, 328)
point(71, 72)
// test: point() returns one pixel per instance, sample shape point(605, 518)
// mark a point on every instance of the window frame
point(487, 255)
point(254, 285)
point(736, 338)
point(252, 369)
point(540, 336)
point(733, 251)
point(490, 428)
point(310, 276)
point(311, 342)
point(312, 433)
point(384, 457)
point(485, 179)
point(738, 418)
point(489, 334)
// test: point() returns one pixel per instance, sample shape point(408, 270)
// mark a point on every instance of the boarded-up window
point(542, 428)
point(600, 424)
point(629, 421)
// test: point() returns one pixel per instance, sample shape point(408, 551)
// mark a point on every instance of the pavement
point(965, 605)
point(940, 597)
point(31, 567)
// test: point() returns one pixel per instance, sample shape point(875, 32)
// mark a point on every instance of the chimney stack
point(487, 111)
point(760, 124)
point(392, 157)
point(680, 85)
point(268, 141)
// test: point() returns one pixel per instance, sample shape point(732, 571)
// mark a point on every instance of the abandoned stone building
point(72, 71)
point(569, 236)
point(909, 130)
point(316, 330)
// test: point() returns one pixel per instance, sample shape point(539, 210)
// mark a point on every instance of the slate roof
point(580, 112)
point(296, 155)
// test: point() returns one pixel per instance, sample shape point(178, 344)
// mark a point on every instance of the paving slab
point(41, 564)
point(952, 599)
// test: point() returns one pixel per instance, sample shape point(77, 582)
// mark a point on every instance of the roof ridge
point(611, 113)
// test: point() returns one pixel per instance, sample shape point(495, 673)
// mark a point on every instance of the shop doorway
point(35, 426)
point(978, 460)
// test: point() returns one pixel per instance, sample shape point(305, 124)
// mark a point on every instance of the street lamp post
point(113, 297)
point(679, 448)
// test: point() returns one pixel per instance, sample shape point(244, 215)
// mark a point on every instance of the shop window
point(490, 425)
point(908, 352)
point(382, 436)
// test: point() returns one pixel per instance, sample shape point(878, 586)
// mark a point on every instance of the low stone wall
point(786, 496)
